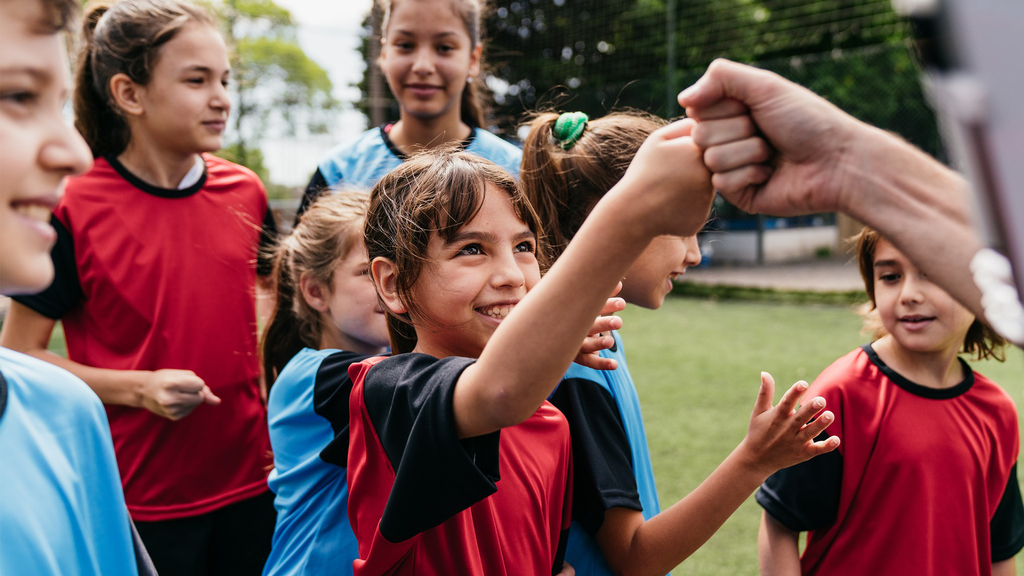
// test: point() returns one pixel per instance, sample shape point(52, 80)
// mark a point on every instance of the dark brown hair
point(124, 37)
point(433, 192)
point(331, 227)
point(980, 340)
point(564, 185)
point(474, 107)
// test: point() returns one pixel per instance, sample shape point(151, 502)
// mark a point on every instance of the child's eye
point(471, 250)
point(526, 246)
point(19, 97)
point(404, 45)
point(892, 277)
point(444, 48)
point(199, 80)
point(225, 83)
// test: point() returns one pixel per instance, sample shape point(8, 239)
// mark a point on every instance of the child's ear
point(125, 94)
point(314, 294)
point(385, 276)
point(474, 60)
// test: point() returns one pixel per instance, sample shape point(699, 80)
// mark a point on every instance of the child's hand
point(599, 338)
point(782, 436)
point(669, 177)
point(174, 394)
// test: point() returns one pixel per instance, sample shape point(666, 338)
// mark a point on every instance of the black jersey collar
point(155, 190)
point(917, 389)
point(384, 128)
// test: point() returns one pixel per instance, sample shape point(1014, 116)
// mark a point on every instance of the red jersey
point(422, 501)
point(924, 481)
point(151, 278)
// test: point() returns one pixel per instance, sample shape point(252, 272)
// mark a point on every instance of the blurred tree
point(274, 83)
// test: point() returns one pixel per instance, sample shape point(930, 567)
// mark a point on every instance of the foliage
point(275, 83)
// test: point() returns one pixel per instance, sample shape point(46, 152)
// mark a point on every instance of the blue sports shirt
point(307, 409)
point(62, 509)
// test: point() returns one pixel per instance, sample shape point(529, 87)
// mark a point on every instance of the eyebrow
point(201, 68)
point(488, 237)
point(412, 33)
point(39, 74)
point(884, 263)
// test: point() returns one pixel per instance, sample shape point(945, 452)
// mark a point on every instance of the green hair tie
point(569, 127)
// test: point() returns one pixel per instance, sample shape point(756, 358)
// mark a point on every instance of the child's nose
point(507, 272)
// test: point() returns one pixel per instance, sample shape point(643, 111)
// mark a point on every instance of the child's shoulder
point(218, 168)
point(494, 148)
point(853, 366)
point(991, 392)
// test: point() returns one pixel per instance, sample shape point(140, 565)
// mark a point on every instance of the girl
point(155, 277)
point(326, 318)
point(431, 56)
point(59, 475)
point(569, 164)
point(926, 482)
point(452, 247)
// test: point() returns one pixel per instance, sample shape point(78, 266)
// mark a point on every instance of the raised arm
point(665, 191)
point(813, 157)
point(172, 394)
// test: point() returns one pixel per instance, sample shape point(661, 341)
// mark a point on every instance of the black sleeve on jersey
point(1007, 526)
point(331, 390)
point(602, 462)
point(409, 401)
point(142, 559)
point(806, 496)
point(66, 290)
point(268, 240)
point(317, 186)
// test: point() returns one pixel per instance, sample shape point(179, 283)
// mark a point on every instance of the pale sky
point(329, 34)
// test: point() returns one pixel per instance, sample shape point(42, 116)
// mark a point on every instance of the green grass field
point(696, 365)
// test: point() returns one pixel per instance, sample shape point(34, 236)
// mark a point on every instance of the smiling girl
point(155, 275)
point(431, 56)
point(480, 341)
point(926, 479)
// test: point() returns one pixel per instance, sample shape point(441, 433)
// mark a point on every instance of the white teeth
point(33, 211)
point(499, 312)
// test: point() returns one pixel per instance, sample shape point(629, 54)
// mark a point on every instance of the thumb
point(678, 129)
point(765, 394)
point(209, 397)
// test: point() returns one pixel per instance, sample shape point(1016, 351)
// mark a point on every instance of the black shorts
point(232, 540)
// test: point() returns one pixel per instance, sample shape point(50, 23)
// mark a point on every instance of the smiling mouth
point(498, 311)
point(33, 211)
point(916, 320)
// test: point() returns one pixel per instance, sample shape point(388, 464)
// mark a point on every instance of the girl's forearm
point(669, 538)
point(778, 548)
point(502, 389)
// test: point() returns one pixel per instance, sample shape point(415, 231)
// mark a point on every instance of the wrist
point(748, 459)
point(138, 387)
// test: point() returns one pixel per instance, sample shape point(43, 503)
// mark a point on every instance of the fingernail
point(833, 441)
point(819, 402)
point(801, 385)
point(827, 416)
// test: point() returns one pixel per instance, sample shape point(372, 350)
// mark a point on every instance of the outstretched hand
point(783, 436)
point(599, 338)
point(791, 166)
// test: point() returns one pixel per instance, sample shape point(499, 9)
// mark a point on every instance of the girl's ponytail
point(122, 38)
point(283, 337)
point(564, 180)
point(104, 130)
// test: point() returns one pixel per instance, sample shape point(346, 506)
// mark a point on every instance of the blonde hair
point(980, 340)
point(324, 236)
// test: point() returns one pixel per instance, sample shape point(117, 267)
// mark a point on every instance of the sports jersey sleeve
point(806, 496)
point(603, 475)
point(317, 186)
point(331, 391)
point(66, 290)
point(409, 402)
point(1007, 526)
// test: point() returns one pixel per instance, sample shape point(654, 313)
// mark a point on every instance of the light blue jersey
point(62, 509)
point(308, 416)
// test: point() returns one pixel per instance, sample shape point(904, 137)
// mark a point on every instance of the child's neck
point(939, 369)
point(412, 134)
point(156, 166)
point(334, 339)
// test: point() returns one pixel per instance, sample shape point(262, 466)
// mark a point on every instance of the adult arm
point(778, 549)
point(172, 394)
point(1004, 568)
point(813, 157)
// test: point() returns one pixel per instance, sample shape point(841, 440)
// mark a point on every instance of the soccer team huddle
point(439, 386)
